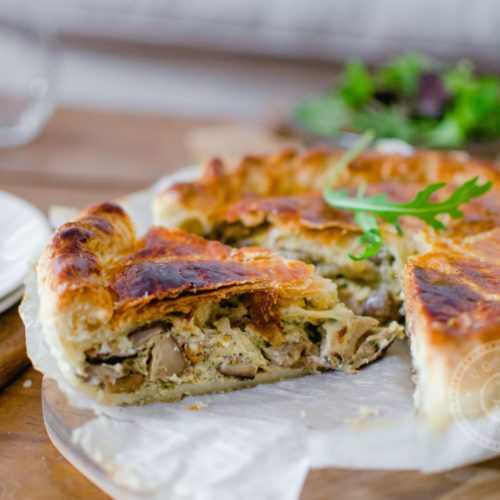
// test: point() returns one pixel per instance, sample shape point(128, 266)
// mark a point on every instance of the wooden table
point(83, 157)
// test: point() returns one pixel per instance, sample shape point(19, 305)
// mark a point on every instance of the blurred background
point(244, 59)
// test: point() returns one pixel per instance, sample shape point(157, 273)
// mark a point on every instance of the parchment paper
point(259, 442)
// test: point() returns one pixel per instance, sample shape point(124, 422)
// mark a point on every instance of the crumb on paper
point(28, 383)
point(303, 414)
point(198, 405)
point(363, 414)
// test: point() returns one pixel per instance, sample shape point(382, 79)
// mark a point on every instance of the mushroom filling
point(370, 287)
point(237, 339)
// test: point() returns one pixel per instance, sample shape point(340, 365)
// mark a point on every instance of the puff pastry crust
point(449, 280)
point(135, 320)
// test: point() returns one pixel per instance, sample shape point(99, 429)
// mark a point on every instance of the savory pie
point(135, 320)
point(446, 284)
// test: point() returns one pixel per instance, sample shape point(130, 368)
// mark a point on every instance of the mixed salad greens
point(412, 97)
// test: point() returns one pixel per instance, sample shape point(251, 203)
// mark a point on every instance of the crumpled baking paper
point(258, 442)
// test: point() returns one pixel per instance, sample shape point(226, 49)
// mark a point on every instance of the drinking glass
point(27, 81)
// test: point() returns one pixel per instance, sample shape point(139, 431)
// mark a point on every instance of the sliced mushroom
point(167, 358)
point(140, 338)
point(380, 304)
point(286, 355)
point(240, 370)
point(96, 374)
point(112, 377)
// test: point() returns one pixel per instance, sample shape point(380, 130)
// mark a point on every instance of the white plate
point(23, 233)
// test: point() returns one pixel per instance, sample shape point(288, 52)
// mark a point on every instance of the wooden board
point(30, 466)
point(61, 419)
point(83, 156)
point(13, 357)
point(86, 156)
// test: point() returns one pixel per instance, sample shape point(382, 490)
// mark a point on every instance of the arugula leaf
point(343, 162)
point(371, 236)
point(371, 233)
point(421, 207)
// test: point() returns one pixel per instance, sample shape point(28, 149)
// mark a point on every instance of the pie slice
point(452, 296)
point(445, 283)
point(152, 319)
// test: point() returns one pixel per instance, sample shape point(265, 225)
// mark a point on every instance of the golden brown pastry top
point(286, 187)
point(308, 210)
point(169, 263)
point(453, 292)
point(97, 271)
point(79, 250)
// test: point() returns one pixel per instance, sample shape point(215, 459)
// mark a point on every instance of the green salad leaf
point(411, 97)
point(422, 207)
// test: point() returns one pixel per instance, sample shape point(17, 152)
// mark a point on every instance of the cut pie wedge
point(153, 319)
